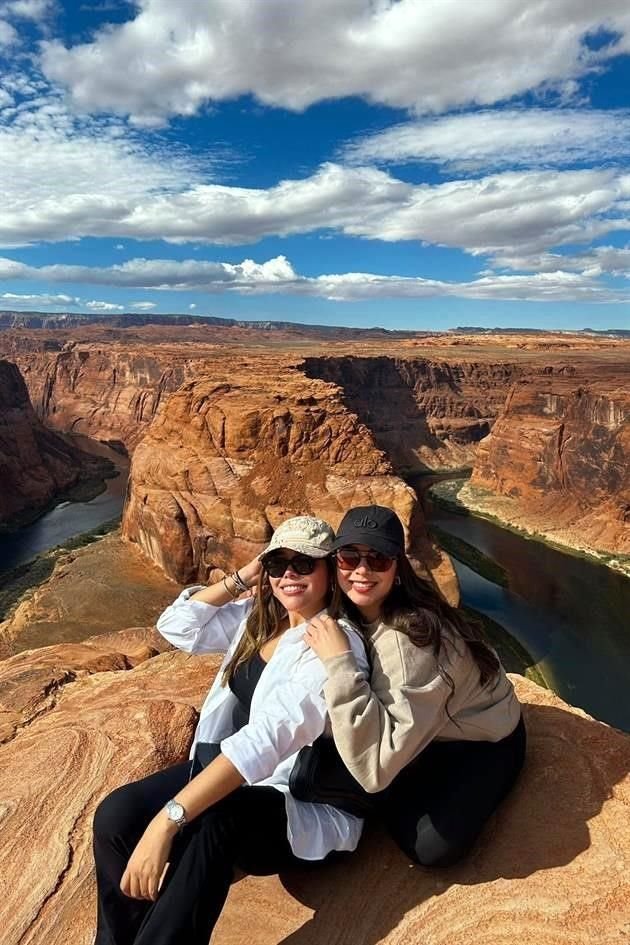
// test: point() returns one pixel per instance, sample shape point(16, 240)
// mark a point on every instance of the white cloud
point(35, 10)
point(119, 246)
point(277, 276)
point(502, 139)
point(79, 187)
point(98, 306)
point(21, 299)
point(430, 57)
point(192, 306)
point(8, 35)
point(59, 170)
point(144, 306)
point(613, 260)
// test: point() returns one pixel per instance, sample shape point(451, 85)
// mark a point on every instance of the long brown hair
point(265, 620)
point(414, 607)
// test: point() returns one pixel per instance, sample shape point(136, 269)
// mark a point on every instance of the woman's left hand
point(325, 637)
point(144, 871)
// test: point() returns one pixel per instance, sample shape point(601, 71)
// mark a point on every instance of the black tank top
point(242, 684)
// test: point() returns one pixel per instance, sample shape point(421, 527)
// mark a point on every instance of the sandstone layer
point(224, 463)
point(36, 465)
point(557, 462)
point(552, 866)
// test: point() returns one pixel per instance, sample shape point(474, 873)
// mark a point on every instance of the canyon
point(542, 422)
point(37, 466)
point(230, 429)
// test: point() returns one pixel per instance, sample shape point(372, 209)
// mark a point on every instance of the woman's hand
point(143, 874)
point(250, 571)
point(325, 637)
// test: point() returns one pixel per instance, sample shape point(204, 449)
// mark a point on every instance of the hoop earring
point(397, 581)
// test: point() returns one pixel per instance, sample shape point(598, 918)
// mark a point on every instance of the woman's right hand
point(249, 572)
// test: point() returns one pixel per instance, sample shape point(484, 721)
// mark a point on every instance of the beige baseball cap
point(305, 534)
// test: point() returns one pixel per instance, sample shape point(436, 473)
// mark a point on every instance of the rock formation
point(426, 413)
point(78, 720)
point(428, 402)
point(557, 462)
point(36, 465)
point(224, 463)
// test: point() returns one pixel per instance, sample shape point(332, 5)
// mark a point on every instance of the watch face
point(175, 811)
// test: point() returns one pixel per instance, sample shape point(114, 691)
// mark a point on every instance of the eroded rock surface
point(36, 465)
point(552, 866)
point(557, 461)
point(225, 462)
point(102, 588)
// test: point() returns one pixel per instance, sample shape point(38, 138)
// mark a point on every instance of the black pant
point(436, 807)
point(247, 829)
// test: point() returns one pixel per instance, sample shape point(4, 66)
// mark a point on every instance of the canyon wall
point(425, 413)
point(558, 462)
point(36, 464)
point(224, 463)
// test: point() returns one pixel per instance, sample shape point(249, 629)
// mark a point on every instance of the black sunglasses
point(276, 565)
point(349, 558)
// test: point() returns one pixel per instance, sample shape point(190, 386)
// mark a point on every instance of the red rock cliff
point(224, 463)
point(36, 465)
point(557, 461)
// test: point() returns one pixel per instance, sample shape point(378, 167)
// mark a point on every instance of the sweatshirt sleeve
point(197, 627)
point(378, 732)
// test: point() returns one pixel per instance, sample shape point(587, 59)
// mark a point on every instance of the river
point(69, 518)
point(570, 613)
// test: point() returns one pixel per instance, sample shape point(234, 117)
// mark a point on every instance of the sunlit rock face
point(558, 460)
point(36, 465)
point(78, 720)
point(232, 456)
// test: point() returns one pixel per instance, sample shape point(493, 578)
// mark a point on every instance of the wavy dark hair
point(414, 607)
point(265, 619)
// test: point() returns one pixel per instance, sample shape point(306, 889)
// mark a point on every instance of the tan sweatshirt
point(380, 725)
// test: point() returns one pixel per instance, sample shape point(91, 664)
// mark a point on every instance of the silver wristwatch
point(176, 813)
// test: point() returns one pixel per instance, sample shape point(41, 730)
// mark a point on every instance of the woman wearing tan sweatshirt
point(435, 735)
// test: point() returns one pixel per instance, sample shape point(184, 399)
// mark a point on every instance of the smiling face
point(302, 595)
point(367, 589)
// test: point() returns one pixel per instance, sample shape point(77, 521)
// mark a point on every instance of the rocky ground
point(102, 588)
point(77, 720)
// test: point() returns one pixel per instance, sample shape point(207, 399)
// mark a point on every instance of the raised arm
point(205, 619)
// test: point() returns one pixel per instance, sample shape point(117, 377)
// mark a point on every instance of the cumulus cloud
point(98, 306)
point(105, 190)
point(277, 276)
point(506, 138)
point(144, 306)
point(430, 57)
point(8, 34)
point(35, 10)
point(612, 260)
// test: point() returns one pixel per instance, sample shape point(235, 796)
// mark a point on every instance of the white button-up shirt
point(288, 711)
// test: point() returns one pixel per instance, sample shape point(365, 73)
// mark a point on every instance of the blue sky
point(352, 162)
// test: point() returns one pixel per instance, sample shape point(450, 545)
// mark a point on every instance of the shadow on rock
point(572, 768)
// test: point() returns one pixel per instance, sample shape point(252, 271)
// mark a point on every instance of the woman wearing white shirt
point(265, 704)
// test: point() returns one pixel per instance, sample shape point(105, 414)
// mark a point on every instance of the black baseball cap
point(372, 525)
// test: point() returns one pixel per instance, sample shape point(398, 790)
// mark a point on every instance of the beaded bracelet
point(234, 593)
point(239, 582)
